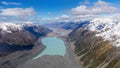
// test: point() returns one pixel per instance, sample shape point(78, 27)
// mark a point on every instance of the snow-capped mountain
point(14, 37)
point(20, 42)
point(107, 28)
point(97, 43)
point(18, 30)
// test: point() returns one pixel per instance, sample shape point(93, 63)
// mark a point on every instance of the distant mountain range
point(67, 25)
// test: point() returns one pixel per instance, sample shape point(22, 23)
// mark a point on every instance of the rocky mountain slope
point(97, 43)
point(18, 41)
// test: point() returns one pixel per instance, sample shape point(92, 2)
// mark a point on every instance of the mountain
point(20, 36)
point(97, 43)
point(67, 25)
point(19, 42)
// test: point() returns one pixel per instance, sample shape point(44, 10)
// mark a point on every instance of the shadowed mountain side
point(38, 30)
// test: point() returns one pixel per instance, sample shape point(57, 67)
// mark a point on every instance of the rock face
point(95, 44)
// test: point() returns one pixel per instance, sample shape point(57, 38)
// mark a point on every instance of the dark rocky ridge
point(94, 51)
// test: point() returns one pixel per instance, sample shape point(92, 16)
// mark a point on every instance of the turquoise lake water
point(54, 46)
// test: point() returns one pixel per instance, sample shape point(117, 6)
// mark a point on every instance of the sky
point(22, 10)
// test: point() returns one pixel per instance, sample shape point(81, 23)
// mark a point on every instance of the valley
point(58, 47)
point(69, 60)
point(59, 34)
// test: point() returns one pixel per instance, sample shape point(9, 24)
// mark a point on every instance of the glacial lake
point(54, 46)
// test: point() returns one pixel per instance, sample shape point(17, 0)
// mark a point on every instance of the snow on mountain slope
point(28, 23)
point(8, 27)
point(108, 28)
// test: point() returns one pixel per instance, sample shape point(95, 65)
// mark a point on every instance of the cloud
point(100, 7)
point(84, 12)
point(17, 12)
point(10, 3)
point(64, 16)
point(17, 15)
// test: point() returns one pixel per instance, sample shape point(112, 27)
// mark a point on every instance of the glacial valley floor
point(70, 60)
